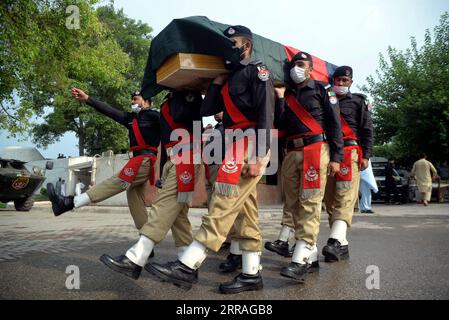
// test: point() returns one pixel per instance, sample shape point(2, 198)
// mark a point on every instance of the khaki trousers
point(306, 212)
point(340, 200)
point(223, 212)
point(167, 213)
point(134, 192)
point(213, 171)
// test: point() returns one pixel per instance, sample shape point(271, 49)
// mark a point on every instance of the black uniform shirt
point(252, 96)
point(184, 109)
point(355, 110)
point(315, 98)
point(147, 119)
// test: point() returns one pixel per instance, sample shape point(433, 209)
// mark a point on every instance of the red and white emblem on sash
point(230, 167)
point(129, 172)
point(186, 177)
point(312, 174)
point(344, 170)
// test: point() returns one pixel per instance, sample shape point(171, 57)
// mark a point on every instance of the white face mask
point(298, 74)
point(135, 108)
point(341, 91)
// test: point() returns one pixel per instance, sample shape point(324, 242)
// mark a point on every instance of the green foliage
point(411, 98)
point(41, 59)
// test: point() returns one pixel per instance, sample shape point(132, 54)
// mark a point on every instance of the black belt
point(351, 143)
point(306, 141)
point(144, 152)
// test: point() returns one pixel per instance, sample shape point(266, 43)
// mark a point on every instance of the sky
point(345, 32)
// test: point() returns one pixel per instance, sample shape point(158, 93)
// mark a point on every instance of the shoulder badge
point(263, 73)
point(332, 97)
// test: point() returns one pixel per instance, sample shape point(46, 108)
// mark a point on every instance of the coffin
point(190, 71)
point(189, 52)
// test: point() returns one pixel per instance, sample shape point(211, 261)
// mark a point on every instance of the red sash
point(311, 166)
point(130, 170)
point(185, 168)
point(345, 174)
point(231, 168)
point(237, 117)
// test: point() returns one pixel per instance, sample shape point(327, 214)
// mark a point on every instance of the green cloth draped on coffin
point(199, 35)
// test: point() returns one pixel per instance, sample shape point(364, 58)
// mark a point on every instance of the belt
point(351, 143)
point(306, 141)
point(144, 152)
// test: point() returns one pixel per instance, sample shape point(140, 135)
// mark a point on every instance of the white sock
point(250, 262)
point(194, 255)
point(338, 232)
point(140, 252)
point(235, 248)
point(285, 233)
point(181, 251)
point(81, 200)
point(304, 253)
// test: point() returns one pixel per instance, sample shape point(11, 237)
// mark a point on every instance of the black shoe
point(363, 211)
point(369, 211)
point(335, 252)
point(242, 283)
point(123, 265)
point(225, 246)
point(174, 272)
point(233, 263)
point(280, 247)
point(59, 203)
point(298, 271)
point(151, 255)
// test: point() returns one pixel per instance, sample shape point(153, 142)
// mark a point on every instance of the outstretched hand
point(79, 95)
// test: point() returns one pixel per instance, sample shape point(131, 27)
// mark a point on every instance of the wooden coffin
point(190, 71)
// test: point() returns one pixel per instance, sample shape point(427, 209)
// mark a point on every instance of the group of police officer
point(328, 138)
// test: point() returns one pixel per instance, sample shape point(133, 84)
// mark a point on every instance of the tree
point(105, 57)
point(411, 97)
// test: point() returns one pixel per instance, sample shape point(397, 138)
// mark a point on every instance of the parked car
point(18, 184)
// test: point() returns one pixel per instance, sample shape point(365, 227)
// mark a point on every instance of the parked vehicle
point(18, 184)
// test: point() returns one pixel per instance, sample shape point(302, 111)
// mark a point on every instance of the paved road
point(408, 244)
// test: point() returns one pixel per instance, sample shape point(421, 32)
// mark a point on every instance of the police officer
point(311, 116)
point(342, 190)
point(213, 160)
point(180, 114)
point(247, 99)
point(144, 137)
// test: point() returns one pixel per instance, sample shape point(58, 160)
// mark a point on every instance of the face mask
point(135, 108)
point(298, 74)
point(341, 91)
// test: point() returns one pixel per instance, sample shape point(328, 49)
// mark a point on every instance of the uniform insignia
point(230, 167)
point(186, 177)
point(333, 100)
point(231, 31)
point(348, 73)
point(344, 170)
point(20, 183)
point(129, 172)
point(190, 97)
point(263, 74)
point(312, 174)
point(304, 56)
point(369, 106)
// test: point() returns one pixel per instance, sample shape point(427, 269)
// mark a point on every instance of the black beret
point(238, 31)
point(302, 56)
point(343, 71)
